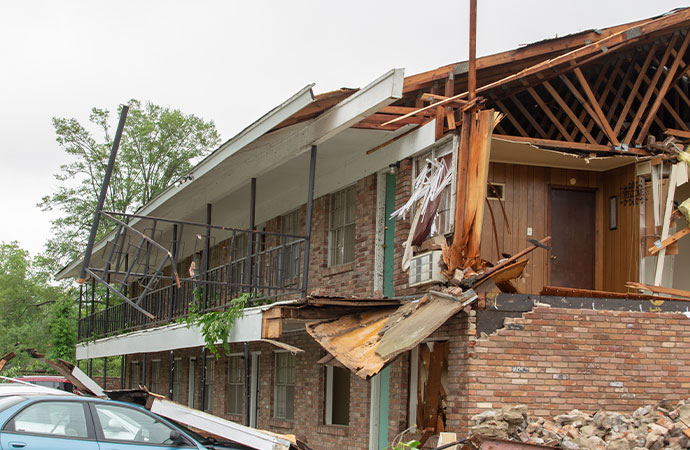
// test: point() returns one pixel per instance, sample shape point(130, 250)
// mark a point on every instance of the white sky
point(229, 61)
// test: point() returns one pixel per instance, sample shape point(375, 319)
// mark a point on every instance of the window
point(284, 386)
point(238, 263)
point(337, 396)
point(177, 379)
point(208, 386)
point(342, 227)
point(135, 375)
point(235, 384)
point(120, 423)
point(445, 214)
point(291, 224)
point(65, 419)
point(156, 376)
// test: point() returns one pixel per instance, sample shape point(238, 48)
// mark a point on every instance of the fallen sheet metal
point(366, 342)
point(78, 378)
point(251, 437)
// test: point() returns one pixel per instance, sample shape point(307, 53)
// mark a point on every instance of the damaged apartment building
point(423, 248)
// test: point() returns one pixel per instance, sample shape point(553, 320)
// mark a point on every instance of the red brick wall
point(308, 424)
point(556, 359)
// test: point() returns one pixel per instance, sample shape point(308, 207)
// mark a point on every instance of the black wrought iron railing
point(268, 266)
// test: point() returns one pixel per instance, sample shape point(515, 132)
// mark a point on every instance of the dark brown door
point(572, 238)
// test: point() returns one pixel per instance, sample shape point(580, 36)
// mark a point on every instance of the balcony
point(128, 294)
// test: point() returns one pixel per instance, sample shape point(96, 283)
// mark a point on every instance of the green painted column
point(384, 377)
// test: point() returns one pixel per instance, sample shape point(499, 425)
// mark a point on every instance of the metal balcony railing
point(268, 266)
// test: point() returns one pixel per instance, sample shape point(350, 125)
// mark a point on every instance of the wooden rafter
point(619, 92)
point(550, 115)
point(583, 102)
point(564, 106)
point(595, 105)
point(529, 117)
point(671, 110)
point(648, 94)
point(663, 89)
point(635, 88)
point(504, 109)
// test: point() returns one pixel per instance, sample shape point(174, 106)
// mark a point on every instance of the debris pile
point(657, 427)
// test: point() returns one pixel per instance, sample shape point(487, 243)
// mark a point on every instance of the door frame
point(598, 235)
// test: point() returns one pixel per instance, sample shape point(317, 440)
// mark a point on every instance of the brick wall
point(309, 411)
point(556, 359)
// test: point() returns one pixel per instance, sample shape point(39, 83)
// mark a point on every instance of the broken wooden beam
point(5, 359)
point(660, 290)
point(659, 244)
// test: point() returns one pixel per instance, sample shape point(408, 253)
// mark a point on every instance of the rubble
point(652, 427)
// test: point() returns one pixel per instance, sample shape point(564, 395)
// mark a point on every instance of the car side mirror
point(176, 437)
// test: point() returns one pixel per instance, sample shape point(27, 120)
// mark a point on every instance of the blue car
point(33, 418)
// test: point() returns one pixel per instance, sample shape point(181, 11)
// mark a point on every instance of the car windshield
point(11, 400)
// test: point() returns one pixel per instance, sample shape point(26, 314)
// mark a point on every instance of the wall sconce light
point(393, 168)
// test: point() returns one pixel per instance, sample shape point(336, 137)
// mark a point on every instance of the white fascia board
point(221, 427)
point(379, 93)
point(277, 115)
point(168, 337)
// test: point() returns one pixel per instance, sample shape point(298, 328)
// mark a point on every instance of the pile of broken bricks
point(657, 427)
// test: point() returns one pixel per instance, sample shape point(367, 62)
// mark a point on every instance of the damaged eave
point(366, 342)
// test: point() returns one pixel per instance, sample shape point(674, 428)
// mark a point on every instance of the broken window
point(235, 384)
point(155, 376)
point(291, 224)
point(342, 227)
point(284, 396)
point(177, 379)
point(337, 396)
point(208, 386)
point(135, 375)
point(445, 213)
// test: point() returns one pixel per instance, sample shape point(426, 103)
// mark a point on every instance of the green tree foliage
point(159, 145)
point(32, 309)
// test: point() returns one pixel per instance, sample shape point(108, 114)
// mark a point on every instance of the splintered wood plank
point(653, 250)
point(663, 90)
point(549, 114)
point(529, 117)
point(648, 95)
point(580, 126)
point(660, 290)
point(633, 92)
point(511, 118)
point(597, 109)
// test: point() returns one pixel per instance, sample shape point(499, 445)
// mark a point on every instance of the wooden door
point(572, 238)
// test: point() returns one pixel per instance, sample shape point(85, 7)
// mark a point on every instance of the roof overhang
point(223, 177)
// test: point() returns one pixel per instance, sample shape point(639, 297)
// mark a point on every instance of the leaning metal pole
point(104, 191)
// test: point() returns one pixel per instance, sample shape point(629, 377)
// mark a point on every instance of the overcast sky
point(229, 61)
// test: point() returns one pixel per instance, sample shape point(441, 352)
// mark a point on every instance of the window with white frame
point(134, 375)
point(284, 394)
point(208, 391)
point(291, 224)
point(155, 376)
point(235, 385)
point(337, 396)
point(342, 226)
point(445, 214)
point(177, 379)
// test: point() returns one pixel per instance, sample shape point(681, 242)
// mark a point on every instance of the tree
point(28, 302)
point(159, 145)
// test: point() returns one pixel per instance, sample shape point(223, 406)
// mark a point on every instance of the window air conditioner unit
point(425, 268)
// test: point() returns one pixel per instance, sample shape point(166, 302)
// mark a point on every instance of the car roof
point(30, 389)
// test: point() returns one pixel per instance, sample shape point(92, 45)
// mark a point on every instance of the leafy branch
point(216, 325)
